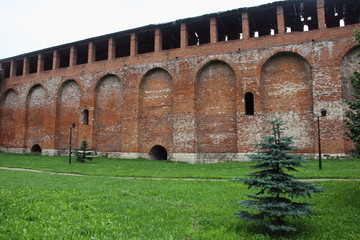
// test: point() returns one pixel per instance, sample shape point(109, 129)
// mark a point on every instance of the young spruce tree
point(352, 120)
point(275, 202)
point(83, 153)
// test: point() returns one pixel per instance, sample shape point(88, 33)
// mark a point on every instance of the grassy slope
point(44, 206)
point(349, 168)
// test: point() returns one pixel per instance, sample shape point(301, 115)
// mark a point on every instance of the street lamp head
point(73, 125)
point(323, 112)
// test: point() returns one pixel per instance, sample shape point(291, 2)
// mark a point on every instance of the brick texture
point(189, 100)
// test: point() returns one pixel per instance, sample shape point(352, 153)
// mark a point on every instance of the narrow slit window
point(85, 116)
point(249, 103)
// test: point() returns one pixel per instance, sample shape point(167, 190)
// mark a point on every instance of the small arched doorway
point(158, 153)
point(36, 149)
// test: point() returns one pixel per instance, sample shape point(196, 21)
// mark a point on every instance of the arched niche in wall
point(216, 126)
point(68, 105)
point(156, 110)
point(35, 116)
point(108, 109)
point(9, 106)
point(349, 64)
point(287, 93)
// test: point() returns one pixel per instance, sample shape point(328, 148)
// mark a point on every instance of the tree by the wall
point(278, 194)
point(352, 120)
point(83, 153)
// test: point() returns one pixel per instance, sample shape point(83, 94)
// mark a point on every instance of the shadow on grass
point(260, 232)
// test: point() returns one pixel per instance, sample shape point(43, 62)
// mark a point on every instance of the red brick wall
point(67, 113)
point(10, 106)
point(191, 99)
point(36, 108)
point(156, 110)
point(287, 93)
point(108, 112)
point(216, 109)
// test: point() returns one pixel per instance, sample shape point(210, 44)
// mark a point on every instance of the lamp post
point(323, 114)
point(70, 136)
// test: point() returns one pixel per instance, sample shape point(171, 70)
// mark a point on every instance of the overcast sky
point(30, 25)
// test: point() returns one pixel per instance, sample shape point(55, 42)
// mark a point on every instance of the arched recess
point(349, 64)
point(108, 107)
point(216, 126)
point(35, 116)
point(9, 106)
point(36, 149)
point(68, 105)
point(158, 153)
point(287, 93)
point(156, 110)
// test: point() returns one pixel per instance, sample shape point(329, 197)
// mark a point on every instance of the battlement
point(242, 25)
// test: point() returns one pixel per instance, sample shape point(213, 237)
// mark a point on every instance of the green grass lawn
point(48, 206)
point(335, 168)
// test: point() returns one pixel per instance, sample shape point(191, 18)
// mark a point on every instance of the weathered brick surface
point(190, 100)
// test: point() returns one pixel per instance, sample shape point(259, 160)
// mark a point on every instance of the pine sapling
point(276, 200)
point(83, 153)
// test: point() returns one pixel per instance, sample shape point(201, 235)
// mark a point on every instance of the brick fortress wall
point(204, 102)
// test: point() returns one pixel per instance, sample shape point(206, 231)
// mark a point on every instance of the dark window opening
point(6, 67)
point(122, 46)
point(198, 32)
point(170, 37)
point(36, 149)
point(48, 61)
point(300, 17)
point(341, 13)
point(85, 117)
point(82, 53)
point(101, 50)
point(33, 63)
point(146, 42)
point(229, 27)
point(64, 58)
point(263, 22)
point(158, 153)
point(19, 65)
point(249, 103)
